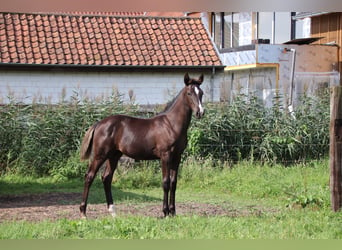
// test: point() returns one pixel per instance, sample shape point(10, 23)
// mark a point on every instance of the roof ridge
point(98, 15)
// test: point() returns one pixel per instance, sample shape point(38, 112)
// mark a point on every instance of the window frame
point(220, 36)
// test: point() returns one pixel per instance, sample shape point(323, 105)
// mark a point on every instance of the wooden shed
point(327, 26)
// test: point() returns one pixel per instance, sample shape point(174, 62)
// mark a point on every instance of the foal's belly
point(139, 151)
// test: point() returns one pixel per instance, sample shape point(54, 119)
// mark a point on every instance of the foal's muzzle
point(199, 114)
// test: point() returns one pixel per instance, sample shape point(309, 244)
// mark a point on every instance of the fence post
point(335, 153)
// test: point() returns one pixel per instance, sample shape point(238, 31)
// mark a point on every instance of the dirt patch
point(53, 206)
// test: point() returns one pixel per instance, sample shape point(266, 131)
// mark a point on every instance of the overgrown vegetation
point(246, 129)
point(235, 157)
point(44, 139)
point(41, 139)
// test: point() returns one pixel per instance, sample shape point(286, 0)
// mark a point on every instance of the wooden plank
point(330, 27)
point(335, 153)
point(339, 42)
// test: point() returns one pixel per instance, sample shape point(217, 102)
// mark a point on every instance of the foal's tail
point(87, 143)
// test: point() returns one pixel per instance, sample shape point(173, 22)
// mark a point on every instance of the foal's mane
point(170, 103)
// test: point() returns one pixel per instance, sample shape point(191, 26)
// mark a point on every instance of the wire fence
point(234, 153)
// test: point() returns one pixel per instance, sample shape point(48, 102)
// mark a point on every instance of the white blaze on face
point(199, 101)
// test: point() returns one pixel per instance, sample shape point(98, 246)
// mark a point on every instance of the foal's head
point(194, 94)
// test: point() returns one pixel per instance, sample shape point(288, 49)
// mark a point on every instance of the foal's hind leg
point(107, 178)
point(88, 180)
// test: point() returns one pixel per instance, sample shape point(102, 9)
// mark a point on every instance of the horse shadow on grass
point(14, 195)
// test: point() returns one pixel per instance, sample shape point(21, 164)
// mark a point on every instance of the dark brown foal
point(162, 137)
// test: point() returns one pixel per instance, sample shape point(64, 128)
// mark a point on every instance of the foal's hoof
point(83, 211)
point(166, 214)
point(111, 210)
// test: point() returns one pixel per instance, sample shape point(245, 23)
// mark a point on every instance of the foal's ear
point(186, 79)
point(200, 79)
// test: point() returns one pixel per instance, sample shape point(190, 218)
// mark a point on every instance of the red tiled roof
point(54, 39)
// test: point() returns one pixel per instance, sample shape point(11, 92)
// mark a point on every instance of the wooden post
point(335, 153)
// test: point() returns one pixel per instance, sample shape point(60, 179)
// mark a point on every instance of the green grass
point(285, 225)
point(294, 203)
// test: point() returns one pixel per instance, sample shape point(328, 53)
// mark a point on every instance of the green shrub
point(72, 168)
point(11, 133)
point(141, 174)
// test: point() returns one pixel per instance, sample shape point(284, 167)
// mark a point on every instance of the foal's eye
point(189, 93)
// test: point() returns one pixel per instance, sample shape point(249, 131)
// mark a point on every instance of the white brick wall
point(48, 86)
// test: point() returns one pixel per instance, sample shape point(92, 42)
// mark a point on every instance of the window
point(234, 29)
point(217, 29)
point(282, 27)
point(275, 26)
point(303, 27)
point(265, 25)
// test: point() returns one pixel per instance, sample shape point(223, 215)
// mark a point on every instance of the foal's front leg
point(173, 187)
point(173, 182)
point(166, 186)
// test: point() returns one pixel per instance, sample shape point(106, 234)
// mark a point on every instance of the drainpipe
point(290, 106)
point(273, 29)
point(212, 84)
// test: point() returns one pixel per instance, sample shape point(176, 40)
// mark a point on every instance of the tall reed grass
point(246, 129)
point(38, 139)
point(44, 139)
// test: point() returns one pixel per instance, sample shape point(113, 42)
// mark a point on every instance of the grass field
point(258, 202)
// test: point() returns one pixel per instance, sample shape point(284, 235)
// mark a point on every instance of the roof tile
point(105, 40)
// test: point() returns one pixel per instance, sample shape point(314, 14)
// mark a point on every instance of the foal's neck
point(179, 114)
